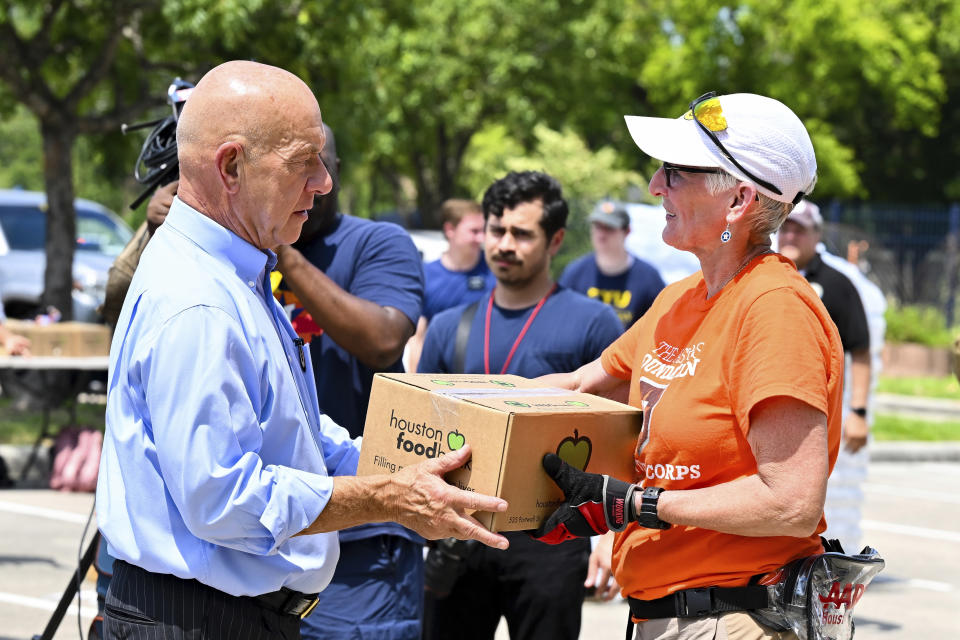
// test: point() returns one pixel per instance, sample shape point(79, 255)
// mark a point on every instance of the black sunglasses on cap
point(700, 110)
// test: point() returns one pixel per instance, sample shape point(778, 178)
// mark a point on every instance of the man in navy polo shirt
point(611, 274)
point(353, 289)
point(529, 326)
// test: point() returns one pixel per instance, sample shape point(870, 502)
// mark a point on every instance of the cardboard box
point(510, 422)
point(66, 339)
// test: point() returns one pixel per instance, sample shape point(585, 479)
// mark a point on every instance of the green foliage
point(917, 323)
point(865, 70)
point(20, 154)
point(415, 89)
point(585, 175)
point(21, 157)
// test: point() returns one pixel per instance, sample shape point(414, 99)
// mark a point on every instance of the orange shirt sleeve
point(773, 357)
point(617, 359)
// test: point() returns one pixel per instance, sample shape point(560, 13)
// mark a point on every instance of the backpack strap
point(463, 335)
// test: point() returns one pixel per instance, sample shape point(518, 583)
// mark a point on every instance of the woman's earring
point(725, 236)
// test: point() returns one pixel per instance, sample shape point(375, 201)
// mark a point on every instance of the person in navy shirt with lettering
point(611, 274)
point(529, 326)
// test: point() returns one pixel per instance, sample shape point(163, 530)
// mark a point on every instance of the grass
point(22, 427)
point(929, 387)
point(891, 428)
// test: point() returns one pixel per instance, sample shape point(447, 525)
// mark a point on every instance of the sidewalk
point(910, 451)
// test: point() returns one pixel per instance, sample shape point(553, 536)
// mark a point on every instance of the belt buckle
point(310, 607)
point(696, 603)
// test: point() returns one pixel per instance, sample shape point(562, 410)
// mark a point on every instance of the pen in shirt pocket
point(298, 343)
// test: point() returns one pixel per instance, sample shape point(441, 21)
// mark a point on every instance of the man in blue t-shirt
point(460, 276)
point(611, 274)
point(353, 289)
point(527, 326)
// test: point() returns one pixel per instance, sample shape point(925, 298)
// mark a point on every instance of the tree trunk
point(58, 142)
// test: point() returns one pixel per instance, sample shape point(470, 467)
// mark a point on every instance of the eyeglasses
point(669, 169)
point(708, 115)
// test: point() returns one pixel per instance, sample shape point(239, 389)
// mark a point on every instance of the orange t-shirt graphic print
point(697, 367)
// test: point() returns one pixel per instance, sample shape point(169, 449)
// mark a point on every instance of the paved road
point(912, 515)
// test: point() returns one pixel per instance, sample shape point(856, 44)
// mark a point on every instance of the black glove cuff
point(618, 509)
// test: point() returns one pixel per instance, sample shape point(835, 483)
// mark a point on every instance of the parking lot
point(912, 516)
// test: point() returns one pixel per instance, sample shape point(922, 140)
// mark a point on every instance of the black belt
point(288, 602)
point(699, 603)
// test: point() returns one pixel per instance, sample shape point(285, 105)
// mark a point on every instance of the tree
point(409, 86)
point(421, 79)
point(864, 76)
point(78, 70)
point(585, 175)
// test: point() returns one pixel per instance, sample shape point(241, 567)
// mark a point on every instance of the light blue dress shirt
point(216, 452)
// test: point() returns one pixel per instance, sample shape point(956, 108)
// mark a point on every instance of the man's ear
point(448, 229)
point(228, 158)
point(556, 242)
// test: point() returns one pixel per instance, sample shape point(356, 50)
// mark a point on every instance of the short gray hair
point(769, 214)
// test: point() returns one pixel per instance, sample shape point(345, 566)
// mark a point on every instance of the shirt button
point(251, 283)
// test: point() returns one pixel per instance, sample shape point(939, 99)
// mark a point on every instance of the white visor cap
point(763, 134)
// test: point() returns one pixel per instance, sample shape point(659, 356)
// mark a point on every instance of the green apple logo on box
point(446, 383)
point(575, 451)
point(576, 403)
point(514, 403)
point(503, 383)
point(455, 440)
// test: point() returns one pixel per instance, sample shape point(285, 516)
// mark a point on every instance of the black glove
point(593, 503)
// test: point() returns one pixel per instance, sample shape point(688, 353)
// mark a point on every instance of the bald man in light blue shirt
point(221, 484)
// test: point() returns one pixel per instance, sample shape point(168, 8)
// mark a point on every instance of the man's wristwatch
point(860, 411)
point(647, 515)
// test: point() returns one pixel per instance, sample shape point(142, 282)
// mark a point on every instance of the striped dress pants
point(141, 605)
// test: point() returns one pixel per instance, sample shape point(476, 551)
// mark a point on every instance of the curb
point(911, 451)
point(919, 407)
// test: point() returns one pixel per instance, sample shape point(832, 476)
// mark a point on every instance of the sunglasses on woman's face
point(670, 171)
point(708, 115)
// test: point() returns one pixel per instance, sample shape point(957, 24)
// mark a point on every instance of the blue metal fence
point(910, 251)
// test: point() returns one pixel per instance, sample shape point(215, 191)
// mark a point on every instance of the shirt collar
point(222, 244)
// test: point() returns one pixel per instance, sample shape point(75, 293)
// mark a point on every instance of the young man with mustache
point(529, 326)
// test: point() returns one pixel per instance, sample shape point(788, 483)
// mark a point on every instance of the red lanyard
point(516, 343)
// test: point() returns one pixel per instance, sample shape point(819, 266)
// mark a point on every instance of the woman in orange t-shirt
point(738, 369)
